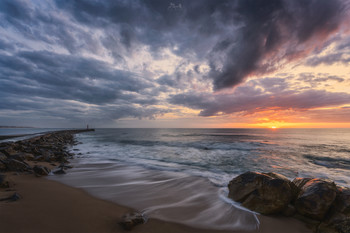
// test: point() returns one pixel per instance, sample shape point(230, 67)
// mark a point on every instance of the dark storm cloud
point(269, 26)
point(44, 83)
point(66, 77)
point(238, 36)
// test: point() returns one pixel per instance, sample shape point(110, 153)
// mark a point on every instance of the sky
point(160, 63)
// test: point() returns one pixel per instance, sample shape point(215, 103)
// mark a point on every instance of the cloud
point(316, 80)
point(253, 98)
point(67, 77)
point(128, 58)
point(240, 38)
point(30, 77)
point(272, 32)
point(329, 59)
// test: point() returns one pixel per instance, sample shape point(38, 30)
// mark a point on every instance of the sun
point(273, 127)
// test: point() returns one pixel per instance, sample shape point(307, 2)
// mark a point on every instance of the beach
point(45, 204)
point(49, 206)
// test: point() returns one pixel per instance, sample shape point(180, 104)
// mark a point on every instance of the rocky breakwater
point(38, 155)
point(320, 203)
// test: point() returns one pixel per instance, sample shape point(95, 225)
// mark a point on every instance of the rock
point(340, 226)
point(59, 171)
point(4, 183)
point(342, 201)
point(3, 166)
point(300, 182)
point(8, 151)
point(338, 218)
point(22, 156)
point(260, 192)
point(2, 156)
point(28, 156)
point(13, 197)
point(315, 198)
point(39, 158)
point(295, 189)
point(65, 166)
point(41, 170)
point(289, 211)
point(15, 165)
point(130, 220)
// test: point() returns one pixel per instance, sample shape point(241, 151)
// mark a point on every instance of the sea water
point(181, 175)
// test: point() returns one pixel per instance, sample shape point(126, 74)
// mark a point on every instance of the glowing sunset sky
point(159, 63)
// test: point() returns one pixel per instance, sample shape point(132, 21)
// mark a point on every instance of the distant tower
point(87, 126)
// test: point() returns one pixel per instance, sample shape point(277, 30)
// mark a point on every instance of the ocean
point(220, 154)
point(181, 175)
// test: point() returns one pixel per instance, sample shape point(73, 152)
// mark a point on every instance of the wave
point(329, 162)
point(168, 196)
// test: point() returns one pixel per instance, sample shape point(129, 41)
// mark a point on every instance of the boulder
point(41, 170)
point(129, 220)
point(59, 171)
point(340, 226)
point(28, 156)
point(3, 166)
point(341, 204)
point(8, 150)
point(4, 183)
point(22, 156)
point(289, 211)
point(2, 156)
point(315, 198)
point(13, 197)
point(15, 165)
point(338, 218)
point(260, 192)
point(300, 182)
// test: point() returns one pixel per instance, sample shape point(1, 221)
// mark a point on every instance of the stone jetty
point(31, 155)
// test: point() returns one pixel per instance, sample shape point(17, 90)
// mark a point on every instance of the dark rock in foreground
point(41, 170)
point(316, 201)
point(315, 198)
point(59, 171)
point(130, 220)
point(13, 197)
point(4, 183)
point(18, 166)
point(262, 192)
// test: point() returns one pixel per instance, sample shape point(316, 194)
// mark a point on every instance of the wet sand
point(49, 206)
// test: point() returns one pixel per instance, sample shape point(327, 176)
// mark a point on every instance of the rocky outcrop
point(338, 218)
point(315, 198)
point(50, 147)
point(316, 201)
point(262, 192)
point(17, 166)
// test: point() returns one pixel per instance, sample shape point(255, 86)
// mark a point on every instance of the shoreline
point(50, 206)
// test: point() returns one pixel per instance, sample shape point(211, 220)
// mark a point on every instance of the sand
point(49, 206)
